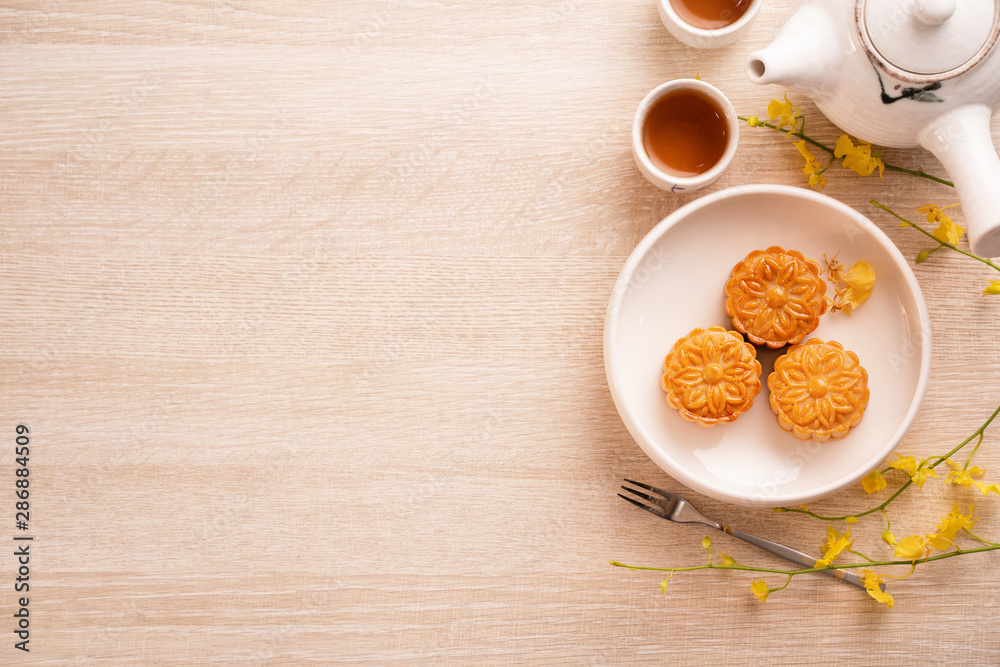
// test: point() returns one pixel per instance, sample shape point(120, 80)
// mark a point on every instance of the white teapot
point(904, 73)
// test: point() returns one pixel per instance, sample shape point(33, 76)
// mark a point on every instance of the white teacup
point(701, 38)
point(672, 182)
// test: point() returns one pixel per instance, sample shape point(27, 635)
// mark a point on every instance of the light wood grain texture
point(303, 303)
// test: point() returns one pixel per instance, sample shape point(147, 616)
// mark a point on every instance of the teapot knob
point(934, 12)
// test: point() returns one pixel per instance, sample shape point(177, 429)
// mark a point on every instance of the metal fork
point(674, 508)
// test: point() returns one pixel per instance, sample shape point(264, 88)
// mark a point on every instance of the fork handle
point(792, 555)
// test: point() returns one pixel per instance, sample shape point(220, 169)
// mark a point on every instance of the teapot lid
point(922, 41)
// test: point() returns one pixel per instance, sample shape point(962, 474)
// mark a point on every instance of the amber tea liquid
point(685, 133)
point(710, 14)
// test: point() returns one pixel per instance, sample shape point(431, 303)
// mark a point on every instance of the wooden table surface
point(303, 305)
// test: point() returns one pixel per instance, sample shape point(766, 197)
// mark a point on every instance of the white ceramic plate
point(674, 282)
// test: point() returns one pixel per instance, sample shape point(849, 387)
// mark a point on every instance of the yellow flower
point(759, 589)
point(812, 165)
point(950, 525)
point(873, 584)
point(706, 543)
point(835, 543)
point(874, 482)
point(964, 478)
point(858, 158)
point(663, 584)
point(728, 560)
point(851, 520)
point(753, 121)
point(859, 281)
point(783, 113)
point(817, 181)
point(993, 287)
point(947, 231)
point(911, 547)
point(909, 465)
point(889, 538)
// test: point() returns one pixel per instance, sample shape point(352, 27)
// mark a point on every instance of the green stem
point(846, 566)
point(828, 165)
point(979, 539)
point(858, 553)
point(794, 134)
point(974, 450)
point(890, 167)
point(879, 508)
point(917, 172)
point(940, 459)
point(928, 234)
point(979, 432)
point(781, 588)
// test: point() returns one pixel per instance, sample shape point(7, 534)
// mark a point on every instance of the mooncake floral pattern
point(819, 390)
point(776, 296)
point(711, 376)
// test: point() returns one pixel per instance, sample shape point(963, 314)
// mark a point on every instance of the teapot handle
point(962, 141)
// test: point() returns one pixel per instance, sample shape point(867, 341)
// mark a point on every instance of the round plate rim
point(642, 437)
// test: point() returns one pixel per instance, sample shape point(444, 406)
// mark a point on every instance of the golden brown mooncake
point(819, 390)
point(711, 376)
point(776, 296)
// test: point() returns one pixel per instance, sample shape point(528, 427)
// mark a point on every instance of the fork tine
point(649, 509)
point(665, 494)
point(652, 499)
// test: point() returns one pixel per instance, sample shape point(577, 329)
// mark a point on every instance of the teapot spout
point(804, 56)
point(962, 141)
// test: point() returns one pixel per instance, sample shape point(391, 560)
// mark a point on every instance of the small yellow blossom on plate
point(950, 525)
point(874, 482)
point(783, 113)
point(759, 589)
point(835, 543)
point(858, 159)
point(858, 283)
point(911, 547)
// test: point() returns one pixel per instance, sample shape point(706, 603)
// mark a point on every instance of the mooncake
point(711, 376)
point(776, 296)
point(819, 390)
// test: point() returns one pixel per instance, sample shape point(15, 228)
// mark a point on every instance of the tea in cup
point(708, 24)
point(684, 135)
